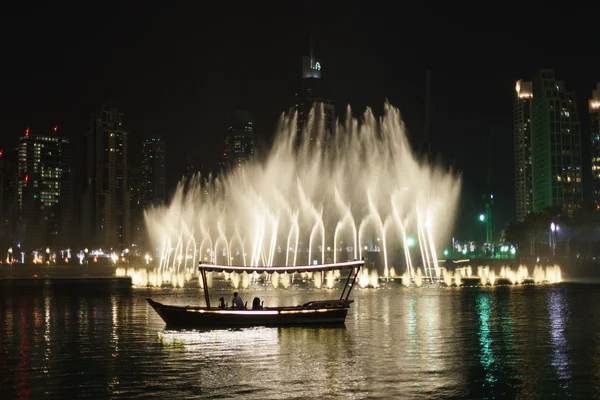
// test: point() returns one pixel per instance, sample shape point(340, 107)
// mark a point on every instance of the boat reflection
point(211, 341)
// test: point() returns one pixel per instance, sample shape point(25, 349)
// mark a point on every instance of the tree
point(584, 223)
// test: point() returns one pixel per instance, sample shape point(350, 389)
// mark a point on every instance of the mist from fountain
point(318, 197)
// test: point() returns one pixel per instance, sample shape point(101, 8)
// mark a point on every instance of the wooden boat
point(321, 312)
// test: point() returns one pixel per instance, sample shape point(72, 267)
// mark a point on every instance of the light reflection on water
point(560, 360)
point(97, 340)
point(486, 353)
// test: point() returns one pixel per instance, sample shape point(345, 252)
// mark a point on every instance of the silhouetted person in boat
point(222, 302)
point(237, 302)
point(256, 305)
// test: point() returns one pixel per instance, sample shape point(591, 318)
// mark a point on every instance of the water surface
point(98, 339)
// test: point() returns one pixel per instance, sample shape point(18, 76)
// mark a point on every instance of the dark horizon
point(177, 72)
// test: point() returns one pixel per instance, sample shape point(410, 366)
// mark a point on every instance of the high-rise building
point(547, 139)
point(522, 142)
point(106, 196)
point(153, 182)
point(240, 141)
point(44, 190)
point(594, 110)
point(556, 145)
point(136, 212)
point(311, 97)
point(8, 196)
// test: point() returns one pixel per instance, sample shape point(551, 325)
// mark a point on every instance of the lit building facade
point(153, 180)
point(594, 111)
point(105, 193)
point(44, 191)
point(556, 145)
point(311, 98)
point(240, 141)
point(522, 147)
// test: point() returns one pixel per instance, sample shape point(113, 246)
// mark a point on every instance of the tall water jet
point(237, 240)
point(403, 237)
point(295, 230)
point(222, 239)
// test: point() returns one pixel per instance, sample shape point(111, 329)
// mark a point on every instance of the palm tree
point(516, 233)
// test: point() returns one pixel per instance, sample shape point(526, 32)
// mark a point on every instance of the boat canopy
point(270, 270)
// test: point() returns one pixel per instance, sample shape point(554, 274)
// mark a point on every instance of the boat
point(318, 312)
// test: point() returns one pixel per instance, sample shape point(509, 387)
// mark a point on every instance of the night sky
point(177, 71)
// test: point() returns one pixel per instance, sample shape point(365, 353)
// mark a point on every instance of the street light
point(482, 217)
point(553, 237)
point(410, 241)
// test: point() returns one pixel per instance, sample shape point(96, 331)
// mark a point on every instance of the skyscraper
point(311, 97)
point(594, 110)
point(556, 145)
point(240, 140)
point(153, 183)
point(106, 196)
point(44, 190)
point(522, 142)
point(136, 211)
point(8, 196)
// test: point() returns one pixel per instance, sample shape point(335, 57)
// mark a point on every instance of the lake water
point(98, 339)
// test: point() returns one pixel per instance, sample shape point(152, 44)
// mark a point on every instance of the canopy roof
point(270, 270)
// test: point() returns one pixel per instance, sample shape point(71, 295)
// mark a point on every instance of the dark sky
point(178, 68)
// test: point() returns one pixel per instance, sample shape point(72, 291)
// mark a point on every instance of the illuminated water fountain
point(318, 197)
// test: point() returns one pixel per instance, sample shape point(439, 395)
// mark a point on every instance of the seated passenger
point(237, 303)
point(222, 302)
point(256, 304)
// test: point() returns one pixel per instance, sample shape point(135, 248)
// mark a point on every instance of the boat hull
point(203, 317)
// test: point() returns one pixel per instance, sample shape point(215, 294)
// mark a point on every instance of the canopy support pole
point(346, 284)
point(205, 285)
point(356, 271)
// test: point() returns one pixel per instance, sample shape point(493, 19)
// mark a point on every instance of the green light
point(486, 350)
point(445, 252)
point(482, 217)
point(318, 66)
point(464, 251)
point(410, 241)
point(35, 196)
